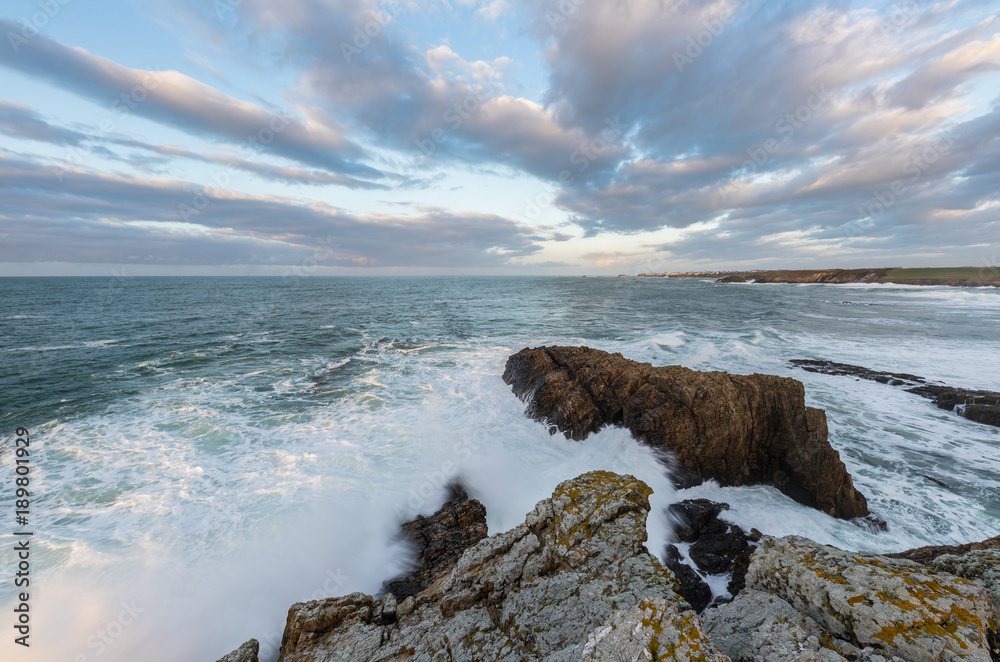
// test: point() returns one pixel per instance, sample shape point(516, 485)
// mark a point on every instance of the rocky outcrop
point(439, 541)
point(809, 276)
point(926, 555)
point(736, 429)
point(896, 606)
point(716, 547)
point(957, 277)
point(245, 653)
point(980, 566)
point(573, 582)
point(979, 406)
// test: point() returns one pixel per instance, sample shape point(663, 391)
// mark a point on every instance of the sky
point(363, 137)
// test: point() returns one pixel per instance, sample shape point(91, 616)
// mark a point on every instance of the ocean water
point(205, 452)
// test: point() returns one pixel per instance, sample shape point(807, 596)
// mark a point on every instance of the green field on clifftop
point(947, 273)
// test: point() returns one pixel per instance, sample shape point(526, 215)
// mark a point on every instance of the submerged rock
point(573, 582)
point(736, 429)
point(979, 406)
point(245, 653)
point(897, 606)
point(439, 541)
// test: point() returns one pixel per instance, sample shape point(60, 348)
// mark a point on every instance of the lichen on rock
point(574, 582)
point(899, 606)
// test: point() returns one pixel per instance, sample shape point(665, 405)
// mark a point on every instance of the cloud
point(180, 101)
point(84, 216)
point(20, 121)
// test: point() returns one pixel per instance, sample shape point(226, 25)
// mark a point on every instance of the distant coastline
point(950, 276)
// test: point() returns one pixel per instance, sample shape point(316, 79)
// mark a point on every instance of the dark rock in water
point(737, 429)
point(732, 279)
point(978, 406)
point(937, 482)
point(926, 555)
point(440, 541)
point(694, 589)
point(718, 547)
point(573, 582)
point(871, 523)
point(246, 653)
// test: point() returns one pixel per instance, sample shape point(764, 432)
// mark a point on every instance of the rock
point(736, 429)
point(899, 606)
point(245, 653)
point(981, 566)
point(979, 406)
point(439, 541)
point(573, 582)
point(693, 588)
point(718, 547)
point(927, 554)
point(758, 625)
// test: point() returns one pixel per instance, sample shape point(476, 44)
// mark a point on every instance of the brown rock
point(737, 429)
point(927, 554)
point(440, 541)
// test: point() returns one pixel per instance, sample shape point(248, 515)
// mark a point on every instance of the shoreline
point(937, 276)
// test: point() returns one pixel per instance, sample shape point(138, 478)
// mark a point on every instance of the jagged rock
point(245, 653)
point(439, 541)
point(981, 566)
point(718, 547)
point(737, 429)
point(574, 580)
point(979, 406)
point(694, 589)
point(899, 606)
point(927, 554)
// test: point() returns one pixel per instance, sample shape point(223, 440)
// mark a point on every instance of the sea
point(204, 452)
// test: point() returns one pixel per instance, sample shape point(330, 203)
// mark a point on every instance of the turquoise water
point(212, 450)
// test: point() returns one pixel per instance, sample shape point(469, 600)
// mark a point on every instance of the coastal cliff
point(575, 582)
point(736, 429)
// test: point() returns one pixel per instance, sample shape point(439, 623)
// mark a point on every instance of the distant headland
point(987, 276)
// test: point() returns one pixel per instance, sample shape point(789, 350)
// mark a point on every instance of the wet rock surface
point(716, 547)
point(439, 541)
point(978, 406)
point(573, 582)
point(246, 653)
point(736, 429)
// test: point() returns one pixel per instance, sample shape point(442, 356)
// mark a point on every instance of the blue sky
point(496, 136)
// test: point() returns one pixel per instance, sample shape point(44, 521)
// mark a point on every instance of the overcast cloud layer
point(506, 136)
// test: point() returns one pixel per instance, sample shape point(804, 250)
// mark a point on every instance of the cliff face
point(737, 429)
point(573, 582)
point(439, 541)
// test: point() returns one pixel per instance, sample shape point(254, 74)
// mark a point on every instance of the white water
point(212, 511)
